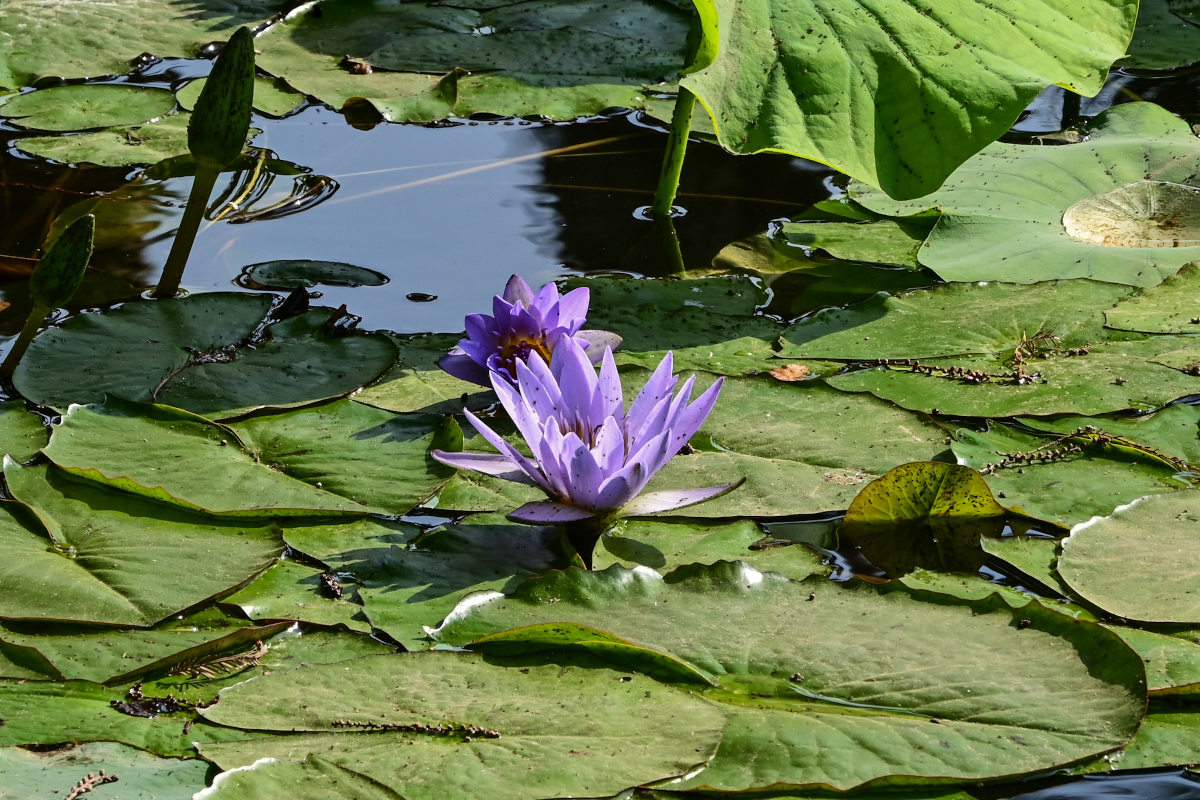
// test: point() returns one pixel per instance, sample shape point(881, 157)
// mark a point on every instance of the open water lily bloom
point(523, 323)
point(591, 457)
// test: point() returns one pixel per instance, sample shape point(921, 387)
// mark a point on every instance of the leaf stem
point(33, 323)
point(193, 213)
point(672, 166)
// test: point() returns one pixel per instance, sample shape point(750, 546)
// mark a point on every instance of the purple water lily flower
point(589, 455)
point(523, 323)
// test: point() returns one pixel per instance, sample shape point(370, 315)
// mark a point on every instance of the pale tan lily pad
point(1139, 214)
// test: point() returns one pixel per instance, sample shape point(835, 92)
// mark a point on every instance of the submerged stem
point(583, 536)
point(193, 213)
point(672, 167)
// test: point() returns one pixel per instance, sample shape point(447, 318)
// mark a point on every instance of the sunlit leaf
point(310, 779)
point(29, 773)
point(541, 731)
point(1171, 307)
point(84, 107)
point(1002, 211)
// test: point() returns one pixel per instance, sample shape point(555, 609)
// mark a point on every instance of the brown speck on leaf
point(791, 372)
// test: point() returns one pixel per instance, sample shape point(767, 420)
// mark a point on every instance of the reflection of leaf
point(1002, 211)
point(891, 93)
point(926, 514)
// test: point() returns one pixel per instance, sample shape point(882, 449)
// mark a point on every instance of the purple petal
point(462, 366)
point(660, 385)
point(596, 342)
point(572, 308)
point(482, 330)
point(518, 291)
point(538, 387)
point(672, 499)
point(519, 411)
point(549, 512)
point(691, 419)
point(584, 475)
point(508, 451)
point(617, 490)
point(611, 399)
point(578, 383)
point(488, 463)
point(608, 449)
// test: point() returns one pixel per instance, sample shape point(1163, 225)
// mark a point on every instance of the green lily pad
point(284, 275)
point(310, 779)
point(437, 61)
point(664, 545)
point(86, 40)
point(203, 353)
point(272, 96)
point(103, 557)
point(848, 231)
point(407, 582)
point(1002, 211)
point(1167, 737)
point(925, 514)
point(1172, 661)
point(128, 147)
point(616, 731)
point(1171, 307)
point(851, 712)
point(339, 459)
point(47, 774)
point(417, 383)
point(121, 656)
point(1161, 40)
point(1096, 559)
point(84, 107)
point(886, 93)
point(1107, 377)
point(801, 447)
point(1135, 457)
point(22, 434)
point(956, 319)
point(291, 591)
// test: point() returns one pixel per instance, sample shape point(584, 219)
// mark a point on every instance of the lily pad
point(205, 353)
point(1162, 38)
point(286, 275)
point(1103, 378)
point(339, 459)
point(617, 730)
point(1096, 559)
point(1120, 460)
point(291, 591)
point(925, 514)
point(1002, 211)
point(22, 434)
point(664, 545)
point(887, 93)
point(1139, 214)
point(882, 240)
point(30, 773)
point(851, 712)
point(437, 61)
point(1171, 307)
point(83, 39)
point(957, 319)
point(83, 107)
point(417, 383)
point(123, 147)
point(92, 555)
point(407, 583)
point(310, 779)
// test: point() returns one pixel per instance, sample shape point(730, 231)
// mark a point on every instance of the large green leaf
point(1107, 377)
point(205, 353)
point(1002, 211)
point(891, 93)
point(956, 319)
point(425, 61)
point(291, 591)
point(1121, 460)
point(1161, 40)
point(84, 39)
point(417, 383)
point(50, 774)
point(408, 582)
point(870, 670)
point(22, 434)
point(82, 107)
point(115, 559)
point(1160, 587)
point(121, 147)
point(310, 779)
point(341, 458)
point(539, 731)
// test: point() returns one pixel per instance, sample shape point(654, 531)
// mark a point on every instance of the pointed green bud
point(60, 271)
point(221, 119)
